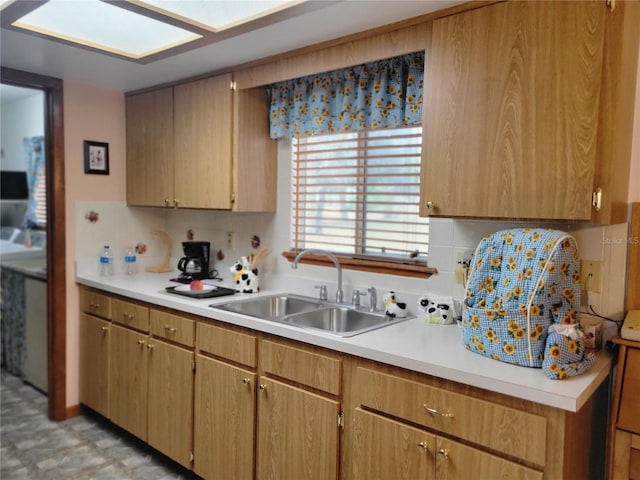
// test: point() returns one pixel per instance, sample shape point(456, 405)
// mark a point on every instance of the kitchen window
point(357, 194)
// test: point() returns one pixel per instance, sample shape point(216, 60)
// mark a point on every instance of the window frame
point(357, 260)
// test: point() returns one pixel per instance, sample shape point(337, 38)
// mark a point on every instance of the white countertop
point(32, 267)
point(413, 344)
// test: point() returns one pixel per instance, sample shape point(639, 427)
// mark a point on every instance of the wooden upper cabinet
point(201, 144)
point(512, 96)
point(150, 144)
point(202, 123)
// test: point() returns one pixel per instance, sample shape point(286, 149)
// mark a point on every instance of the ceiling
point(330, 20)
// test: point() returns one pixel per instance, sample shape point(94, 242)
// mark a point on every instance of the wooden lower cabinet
point(260, 407)
point(94, 363)
point(128, 380)
point(297, 433)
point(170, 405)
point(224, 428)
point(385, 448)
point(624, 424)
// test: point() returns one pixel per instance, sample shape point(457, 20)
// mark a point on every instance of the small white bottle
point(106, 262)
point(130, 266)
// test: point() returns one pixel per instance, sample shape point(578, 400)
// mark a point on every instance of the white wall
point(120, 226)
point(20, 119)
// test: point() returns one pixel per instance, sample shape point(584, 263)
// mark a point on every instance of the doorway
point(56, 254)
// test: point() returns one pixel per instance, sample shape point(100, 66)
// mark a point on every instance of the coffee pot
point(195, 263)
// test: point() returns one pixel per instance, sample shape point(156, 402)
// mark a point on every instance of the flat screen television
point(13, 185)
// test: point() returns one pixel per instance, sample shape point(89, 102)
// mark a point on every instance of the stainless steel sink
point(342, 321)
point(306, 312)
point(273, 307)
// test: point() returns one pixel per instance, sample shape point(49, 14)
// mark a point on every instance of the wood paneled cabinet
point(225, 403)
point(624, 435)
point(265, 408)
point(128, 380)
point(95, 328)
point(298, 429)
point(385, 448)
point(297, 433)
point(171, 385)
point(524, 99)
point(405, 426)
point(200, 144)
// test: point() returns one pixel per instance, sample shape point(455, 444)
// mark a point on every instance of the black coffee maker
point(195, 263)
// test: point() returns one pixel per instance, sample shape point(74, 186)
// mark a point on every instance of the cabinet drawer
point(310, 369)
point(172, 327)
point(235, 346)
point(628, 418)
point(95, 303)
point(130, 315)
point(497, 427)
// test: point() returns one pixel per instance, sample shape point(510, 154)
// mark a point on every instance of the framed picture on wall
point(96, 157)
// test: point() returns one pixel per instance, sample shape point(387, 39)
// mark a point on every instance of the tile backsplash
point(119, 226)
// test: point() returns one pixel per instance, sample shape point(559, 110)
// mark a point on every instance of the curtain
point(33, 149)
point(382, 94)
point(12, 321)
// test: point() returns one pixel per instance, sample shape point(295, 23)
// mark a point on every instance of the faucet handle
point(355, 297)
point(323, 291)
point(374, 299)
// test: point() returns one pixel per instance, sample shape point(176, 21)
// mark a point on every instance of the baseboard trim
point(72, 411)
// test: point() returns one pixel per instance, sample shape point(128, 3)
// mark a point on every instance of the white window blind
point(41, 198)
point(357, 194)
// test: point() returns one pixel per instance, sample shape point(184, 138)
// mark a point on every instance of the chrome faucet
point(373, 305)
point(332, 257)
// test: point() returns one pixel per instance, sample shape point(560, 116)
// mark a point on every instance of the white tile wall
point(120, 226)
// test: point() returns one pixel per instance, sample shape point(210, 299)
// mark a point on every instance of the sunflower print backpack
point(522, 302)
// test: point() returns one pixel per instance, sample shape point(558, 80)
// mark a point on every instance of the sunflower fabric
point(382, 94)
point(522, 302)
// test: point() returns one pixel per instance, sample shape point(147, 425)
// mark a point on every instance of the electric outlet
point(231, 241)
point(591, 275)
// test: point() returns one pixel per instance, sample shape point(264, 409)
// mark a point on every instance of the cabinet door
point(128, 380)
point(384, 449)
point(455, 461)
point(629, 415)
point(512, 95)
point(297, 433)
point(150, 150)
point(94, 363)
point(171, 400)
point(203, 129)
point(225, 408)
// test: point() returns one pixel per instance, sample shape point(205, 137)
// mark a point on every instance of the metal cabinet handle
point(170, 329)
point(433, 411)
point(262, 386)
point(141, 342)
point(424, 446)
point(246, 380)
point(444, 452)
point(104, 329)
point(431, 206)
point(150, 346)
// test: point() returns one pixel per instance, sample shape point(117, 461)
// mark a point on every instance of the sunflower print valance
point(382, 94)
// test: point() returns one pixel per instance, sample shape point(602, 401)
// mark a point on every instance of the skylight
point(217, 15)
point(104, 26)
point(145, 30)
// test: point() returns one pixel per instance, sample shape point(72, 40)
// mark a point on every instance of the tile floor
point(86, 447)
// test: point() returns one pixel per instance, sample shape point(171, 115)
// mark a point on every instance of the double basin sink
point(306, 312)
